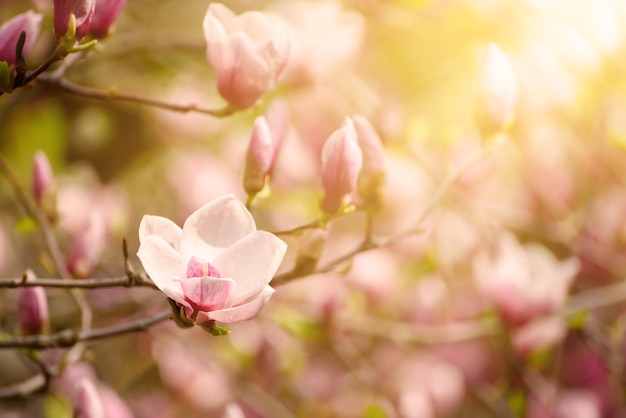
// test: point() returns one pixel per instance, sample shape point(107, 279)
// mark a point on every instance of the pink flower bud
point(29, 22)
point(81, 9)
point(372, 174)
point(33, 310)
point(341, 163)
point(87, 246)
point(87, 401)
point(44, 185)
point(259, 157)
point(247, 53)
point(498, 90)
point(104, 16)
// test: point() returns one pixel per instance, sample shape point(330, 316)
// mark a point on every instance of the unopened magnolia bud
point(247, 52)
point(498, 91)
point(81, 9)
point(341, 163)
point(258, 158)
point(87, 402)
point(44, 185)
point(32, 307)
point(372, 176)
point(105, 15)
point(87, 247)
point(10, 31)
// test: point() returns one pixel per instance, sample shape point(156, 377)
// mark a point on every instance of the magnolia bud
point(341, 163)
point(82, 10)
point(247, 52)
point(258, 158)
point(33, 313)
point(87, 247)
point(372, 176)
point(498, 92)
point(104, 17)
point(10, 31)
point(87, 401)
point(44, 185)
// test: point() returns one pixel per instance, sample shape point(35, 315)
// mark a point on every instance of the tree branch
point(113, 95)
point(77, 284)
point(69, 337)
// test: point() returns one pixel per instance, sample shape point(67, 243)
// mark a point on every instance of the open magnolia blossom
point(217, 267)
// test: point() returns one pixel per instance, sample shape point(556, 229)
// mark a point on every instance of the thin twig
point(123, 281)
point(113, 95)
point(69, 337)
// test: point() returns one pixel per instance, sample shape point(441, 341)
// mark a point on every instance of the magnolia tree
point(312, 208)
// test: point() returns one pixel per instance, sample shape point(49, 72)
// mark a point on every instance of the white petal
point(251, 262)
point(238, 313)
point(162, 262)
point(175, 291)
point(163, 227)
point(214, 227)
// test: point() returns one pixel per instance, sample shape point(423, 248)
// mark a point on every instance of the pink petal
point(162, 227)
point(201, 268)
point(247, 74)
point(238, 313)
point(10, 31)
point(162, 262)
point(216, 226)
point(251, 262)
point(207, 293)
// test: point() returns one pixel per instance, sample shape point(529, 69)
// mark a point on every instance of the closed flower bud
point(87, 246)
point(372, 176)
point(32, 306)
point(247, 52)
point(29, 22)
point(82, 10)
point(105, 15)
point(87, 402)
point(498, 92)
point(341, 163)
point(44, 185)
point(258, 158)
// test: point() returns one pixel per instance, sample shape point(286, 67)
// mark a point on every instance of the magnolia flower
point(81, 9)
point(247, 52)
point(217, 267)
point(29, 22)
point(524, 282)
point(342, 160)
